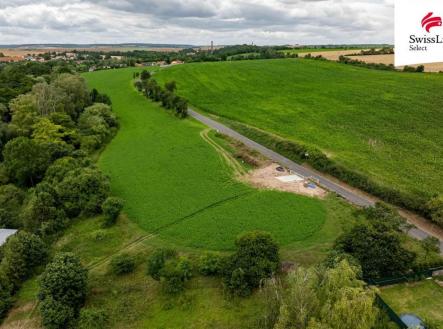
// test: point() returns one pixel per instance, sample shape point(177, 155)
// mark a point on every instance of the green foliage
point(22, 253)
point(171, 86)
point(329, 298)
point(386, 155)
point(97, 124)
point(63, 289)
point(55, 314)
point(5, 294)
point(83, 191)
point(92, 319)
point(111, 209)
point(26, 160)
point(122, 264)
point(210, 264)
point(436, 208)
point(156, 261)
point(76, 92)
point(377, 246)
point(11, 200)
point(255, 259)
point(164, 265)
point(145, 75)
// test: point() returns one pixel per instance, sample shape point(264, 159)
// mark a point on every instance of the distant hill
point(98, 45)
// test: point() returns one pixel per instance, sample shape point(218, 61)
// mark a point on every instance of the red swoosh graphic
point(428, 22)
point(426, 17)
point(433, 24)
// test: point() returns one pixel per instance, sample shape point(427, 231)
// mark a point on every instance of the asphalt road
point(350, 196)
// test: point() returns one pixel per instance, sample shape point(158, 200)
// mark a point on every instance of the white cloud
point(196, 21)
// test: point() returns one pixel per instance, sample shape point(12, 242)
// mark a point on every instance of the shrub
point(157, 261)
point(83, 191)
point(56, 315)
point(174, 275)
point(210, 264)
point(65, 282)
point(5, 295)
point(92, 319)
point(256, 258)
point(22, 253)
point(164, 265)
point(111, 209)
point(122, 264)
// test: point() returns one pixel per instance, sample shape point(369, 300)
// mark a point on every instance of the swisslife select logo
point(418, 32)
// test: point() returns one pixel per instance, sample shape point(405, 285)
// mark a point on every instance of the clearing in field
point(177, 186)
point(385, 125)
point(424, 299)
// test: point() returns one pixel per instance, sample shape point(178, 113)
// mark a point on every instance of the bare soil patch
point(266, 177)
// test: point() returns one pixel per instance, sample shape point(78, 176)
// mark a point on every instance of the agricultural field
point(176, 185)
point(384, 125)
point(424, 299)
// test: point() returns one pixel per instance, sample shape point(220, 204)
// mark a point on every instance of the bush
point(5, 295)
point(92, 319)
point(22, 253)
point(164, 265)
point(157, 261)
point(256, 258)
point(174, 275)
point(64, 281)
point(111, 209)
point(83, 191)
point(122, 264)
point(210, 264)
point(56, 315)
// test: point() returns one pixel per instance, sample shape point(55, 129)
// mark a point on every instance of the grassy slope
point(384, 124)
point(424, 299)
point(168, 174)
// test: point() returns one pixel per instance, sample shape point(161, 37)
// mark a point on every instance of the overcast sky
point(197, 21)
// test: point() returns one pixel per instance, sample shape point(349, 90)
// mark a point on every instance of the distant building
point(5, 234)
point(118, 58)
point(177, 62)
point(11, 59)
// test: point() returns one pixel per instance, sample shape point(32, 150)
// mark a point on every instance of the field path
point(352, 196)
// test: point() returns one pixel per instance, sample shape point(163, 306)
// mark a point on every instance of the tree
point(111, 209)
point(321, 298)
point(26, 160)
point(11, 200)
point(45, 131)
point(145, 75)
point(49, 99)
point(5, 295)
point(22, 253)
point(24, 114)
point(171, 86)
point(378, 250)
point(63, 289)
point(156, 261)
point(77, 93)
point(83, 191)
point(256, 258)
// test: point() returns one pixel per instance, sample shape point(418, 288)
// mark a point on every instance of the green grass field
point(385, 125)
point(176, 185)
point(314, 50)
point(424, 299)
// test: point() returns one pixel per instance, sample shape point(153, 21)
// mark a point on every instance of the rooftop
point(5, 234)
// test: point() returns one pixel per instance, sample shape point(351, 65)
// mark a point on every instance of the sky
point(197, 22)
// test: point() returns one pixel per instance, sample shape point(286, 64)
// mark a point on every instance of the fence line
point(390, 312)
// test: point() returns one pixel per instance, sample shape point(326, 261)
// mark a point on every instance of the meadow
point(424, 299)
point(383, 125)
point(176, 186)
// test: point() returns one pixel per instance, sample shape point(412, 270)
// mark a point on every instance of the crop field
point(424, 299)
point(176, 185)
point(385, 125)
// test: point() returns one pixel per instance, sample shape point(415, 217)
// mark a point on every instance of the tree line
point(169, 100)
point(47, 180)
